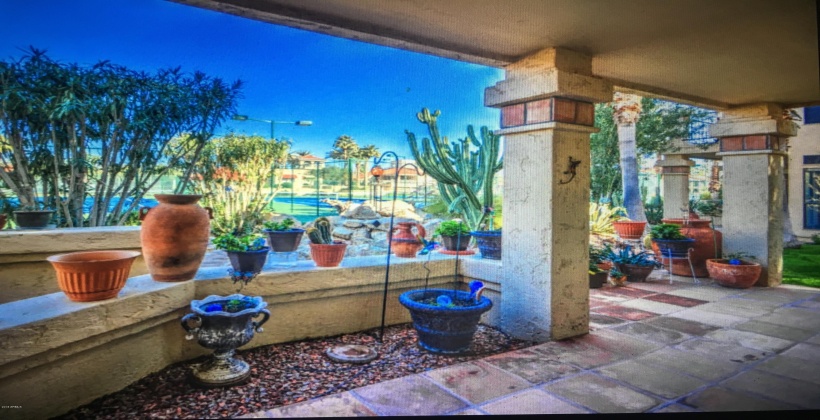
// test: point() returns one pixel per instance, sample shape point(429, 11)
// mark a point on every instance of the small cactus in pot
point(325, 251)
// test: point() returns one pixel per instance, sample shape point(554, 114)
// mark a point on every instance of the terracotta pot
point(175, 236)
point(629, 229)
point(284, 240)
point(328, 255)
point(92, 275)
point(597, 280)
point(616, 281)
point(248, 261)
point(405, 244)
point(704, 248)
point(456, 243)
point(605, 266)
point(742, 276)
point(35, 219)
point(636, 273)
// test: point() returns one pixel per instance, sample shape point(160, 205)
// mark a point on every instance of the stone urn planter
point(222, 324)
point(741, 275)
point(404, 242)
point(88, 276)
point(489, 243)
point(628, 229)
point(175, 236)
point(445, 320)
point(33, 219)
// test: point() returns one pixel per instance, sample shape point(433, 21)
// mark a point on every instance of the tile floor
point(652, 347)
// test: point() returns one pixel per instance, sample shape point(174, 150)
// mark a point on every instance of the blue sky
point(368, 92)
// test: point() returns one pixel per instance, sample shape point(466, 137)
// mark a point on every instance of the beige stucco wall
point(807, 142)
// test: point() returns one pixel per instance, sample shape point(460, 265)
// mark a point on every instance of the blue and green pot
point(444, 329)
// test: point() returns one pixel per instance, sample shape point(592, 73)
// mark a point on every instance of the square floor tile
point(625, 344)
point(730, 306)
point(651, 306)
point(477, 381)
point(749, 340)
point(712, 318)
point(675, 408)
point(681, 325)
point(709, 293)
point(535, 367)
point(576, 352)
point(657, 286)
point(531, 401)
point(792, 368)
point(790, 391)
point(723, 351)
point(409, 396)
point(339, 405)
point(675, 300)
point(722, 399)
point(807, 352)
point(690, 363)
point(773, 330)
point(814, 340)
point(652, 333)
point(602, 321)
point(601, 394)
point(627, 291)
point(622, 312)
point(662, 382)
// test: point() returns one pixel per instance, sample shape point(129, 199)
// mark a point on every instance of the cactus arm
point(314, 235)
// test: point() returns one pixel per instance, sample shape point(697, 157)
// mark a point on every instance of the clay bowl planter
point(36, 219)
point(444, 329)
point(629, 229)
point(489, 243)
point(328, 255)
point(456, 243)
point(636, 273)
point(248, 261)
point(284, 240)
point(88, 276)
point(736, 276)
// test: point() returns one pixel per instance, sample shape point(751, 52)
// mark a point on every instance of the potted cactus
point(734, 270)
point(282, 236)
point(325, 251)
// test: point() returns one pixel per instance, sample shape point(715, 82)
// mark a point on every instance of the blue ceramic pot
point(443, 329)
point(489, 243)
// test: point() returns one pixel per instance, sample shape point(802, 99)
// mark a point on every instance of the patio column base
point(675, 176)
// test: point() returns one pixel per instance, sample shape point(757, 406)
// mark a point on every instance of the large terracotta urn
point(405, 244)
point(175, 236)
point(708, 244)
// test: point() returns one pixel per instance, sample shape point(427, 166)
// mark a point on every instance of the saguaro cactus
point(465, 177)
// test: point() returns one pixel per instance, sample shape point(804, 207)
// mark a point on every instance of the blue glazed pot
point(489, 243)
point(444, 329)
point(674, 248)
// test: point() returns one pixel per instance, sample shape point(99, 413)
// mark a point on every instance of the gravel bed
point(283, 374)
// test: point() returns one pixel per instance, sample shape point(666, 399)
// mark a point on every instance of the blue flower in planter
point(213, 307)
point(428, 245)
point(734, 261)
point(444, 300)
point(476, 288)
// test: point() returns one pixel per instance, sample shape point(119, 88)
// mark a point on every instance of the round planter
point(89, 276)
point(597, 280)
point(457, 242)
point(742, 276)
point(489, 243)
point(174, 237)
point(223, 332)
point(284, 240)
point(708, 244)
point(629, 229)
point(37, 219)
point(605, 266)
point(248, 261)
point(405, 244)
point(328, 255)
point(443, 329)
point(636, 273)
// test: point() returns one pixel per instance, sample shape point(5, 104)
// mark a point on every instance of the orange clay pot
point(175, 236)
point(628, 229)
point(404, 243)
point(703, 248)
point(92, 275)
point(740, 276)
point(328, 255)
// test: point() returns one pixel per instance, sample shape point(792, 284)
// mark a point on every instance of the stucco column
point(675, 175)
point(752, 144)
point(547, 115)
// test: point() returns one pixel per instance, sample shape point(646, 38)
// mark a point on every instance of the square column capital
point(755, 119)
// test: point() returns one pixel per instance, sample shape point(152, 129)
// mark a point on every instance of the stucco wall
point(807, 142)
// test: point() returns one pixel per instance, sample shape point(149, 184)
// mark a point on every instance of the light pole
point(301, 123)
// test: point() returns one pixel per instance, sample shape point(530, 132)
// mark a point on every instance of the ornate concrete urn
point(223, 323)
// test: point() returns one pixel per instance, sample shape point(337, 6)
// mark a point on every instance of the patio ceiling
point(712, 53)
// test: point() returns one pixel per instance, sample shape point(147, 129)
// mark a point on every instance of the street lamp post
point(301, 123)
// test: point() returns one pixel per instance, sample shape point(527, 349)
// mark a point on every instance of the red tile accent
point(563, 110)
point(676, 300)
point(730, 144)
point(622, 312)
point(759, 142)
point(627, 291)
point(539, 111)
point(512, 115)
point(585, 113)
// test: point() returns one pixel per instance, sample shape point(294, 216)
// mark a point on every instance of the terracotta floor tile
point(409, 396)
point(682, 325)
point(601, 394)
point(531, 401)
point(577, 352)
point(535, 367)
point(622, 312)
point(653, 333)
point(628, 292)
point(787, 390)
point(722, 399)
point(477, 381)
point(339, 405)
point(676, 300)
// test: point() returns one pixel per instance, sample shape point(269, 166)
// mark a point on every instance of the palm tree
point(364, 153)
point(627, 111)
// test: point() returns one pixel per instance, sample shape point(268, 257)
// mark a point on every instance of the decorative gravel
point(284, 374)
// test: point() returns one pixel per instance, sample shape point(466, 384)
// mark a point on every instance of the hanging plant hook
point(573, 164)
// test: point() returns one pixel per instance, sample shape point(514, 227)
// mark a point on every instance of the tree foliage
point(104, 131)
point(345, 147)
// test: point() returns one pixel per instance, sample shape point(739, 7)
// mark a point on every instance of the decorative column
point(675, 175)
point(752, 144)
point(547, 115)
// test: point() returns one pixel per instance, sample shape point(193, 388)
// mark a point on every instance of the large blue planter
point(674, 248)
point(444, 329)
point(489, 243)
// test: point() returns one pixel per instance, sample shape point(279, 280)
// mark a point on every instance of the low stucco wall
point(24, 271)
point(56, 354)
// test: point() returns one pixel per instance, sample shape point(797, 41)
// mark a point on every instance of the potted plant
point(488, 241)
point(455, 236)
point(325, 251)
point(282, 236)
point(670, 241)
point(636, 265)
point(222, 324)
point(33, 217)
point(446, 320)
point(247, 254)
point(599, 255)
point(734, 270)
point(616, 277)
point(629, 229)
point(2, 221)
point(88, 276)
point(597, 277)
